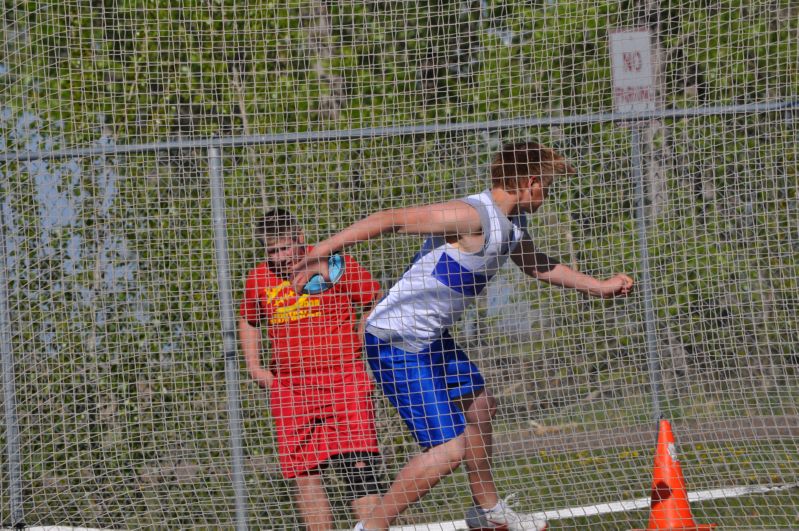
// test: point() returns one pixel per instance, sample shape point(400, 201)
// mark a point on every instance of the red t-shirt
point(322, 395)
point(312, 337)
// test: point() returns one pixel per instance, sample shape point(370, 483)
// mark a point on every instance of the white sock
point(358, 526)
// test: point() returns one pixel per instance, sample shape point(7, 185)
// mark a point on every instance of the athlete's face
point(283, 253)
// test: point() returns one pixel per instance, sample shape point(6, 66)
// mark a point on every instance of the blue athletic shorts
point(424, 386)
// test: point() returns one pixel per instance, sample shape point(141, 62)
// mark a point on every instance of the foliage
point(115, 317)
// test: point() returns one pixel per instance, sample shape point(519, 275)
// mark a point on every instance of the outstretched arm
point(450, 218)
point(541, 267)
point(250, 337)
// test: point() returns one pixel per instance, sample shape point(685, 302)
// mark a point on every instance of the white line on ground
point(558, 514)
point(617, 507)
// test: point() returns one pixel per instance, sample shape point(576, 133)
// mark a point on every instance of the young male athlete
point(436, 389)
point(320, 392)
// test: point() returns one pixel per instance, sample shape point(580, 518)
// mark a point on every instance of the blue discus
point(318, 284)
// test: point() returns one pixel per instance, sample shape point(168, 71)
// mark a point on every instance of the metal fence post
point(9, 389)
point(228, 333)
point(653, 359)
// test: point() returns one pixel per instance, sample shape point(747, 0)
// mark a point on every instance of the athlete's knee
point(451, 453)
point(482, 408)
point(490, 405)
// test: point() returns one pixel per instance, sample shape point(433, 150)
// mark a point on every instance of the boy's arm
point(541, 267)
point(450, 218)
point(364, 291)
point(366, 311)
point(250, 337)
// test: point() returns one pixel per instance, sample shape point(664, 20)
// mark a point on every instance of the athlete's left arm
point(546, 269)
point(450, 218)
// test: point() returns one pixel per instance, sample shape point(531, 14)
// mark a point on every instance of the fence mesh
point(113, 310)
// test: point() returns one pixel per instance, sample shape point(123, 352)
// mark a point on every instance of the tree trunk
point(319, 35)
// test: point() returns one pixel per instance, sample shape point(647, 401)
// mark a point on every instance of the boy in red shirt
point(321, 395)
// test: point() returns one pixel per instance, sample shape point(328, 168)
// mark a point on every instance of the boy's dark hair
point(517, 162)
point(276, 223)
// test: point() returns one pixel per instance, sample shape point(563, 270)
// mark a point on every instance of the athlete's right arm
point(541, 267)
point(250, 338)
point(450, 218)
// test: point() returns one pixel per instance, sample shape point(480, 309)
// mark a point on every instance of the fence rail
point(381, 132)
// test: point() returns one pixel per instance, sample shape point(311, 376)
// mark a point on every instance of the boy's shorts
point(311, 429)
point(424, 386)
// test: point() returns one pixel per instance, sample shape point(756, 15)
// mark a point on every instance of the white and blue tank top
point(443, 281)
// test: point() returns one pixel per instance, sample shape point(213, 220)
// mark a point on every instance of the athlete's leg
point(489, 511)
point(312, 502)
point(417, 384)
point(416, 478)
point(479, 410)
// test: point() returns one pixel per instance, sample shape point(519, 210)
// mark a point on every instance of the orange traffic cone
point(669, 508)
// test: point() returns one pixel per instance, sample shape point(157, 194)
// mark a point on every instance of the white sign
point(631, 63)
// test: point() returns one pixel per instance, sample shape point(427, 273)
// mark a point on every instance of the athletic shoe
point(503, 518)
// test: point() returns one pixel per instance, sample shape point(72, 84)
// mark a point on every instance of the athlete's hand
point(618, 286)
point(309, 266)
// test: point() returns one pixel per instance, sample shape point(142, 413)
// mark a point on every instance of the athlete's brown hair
point(516, 163)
